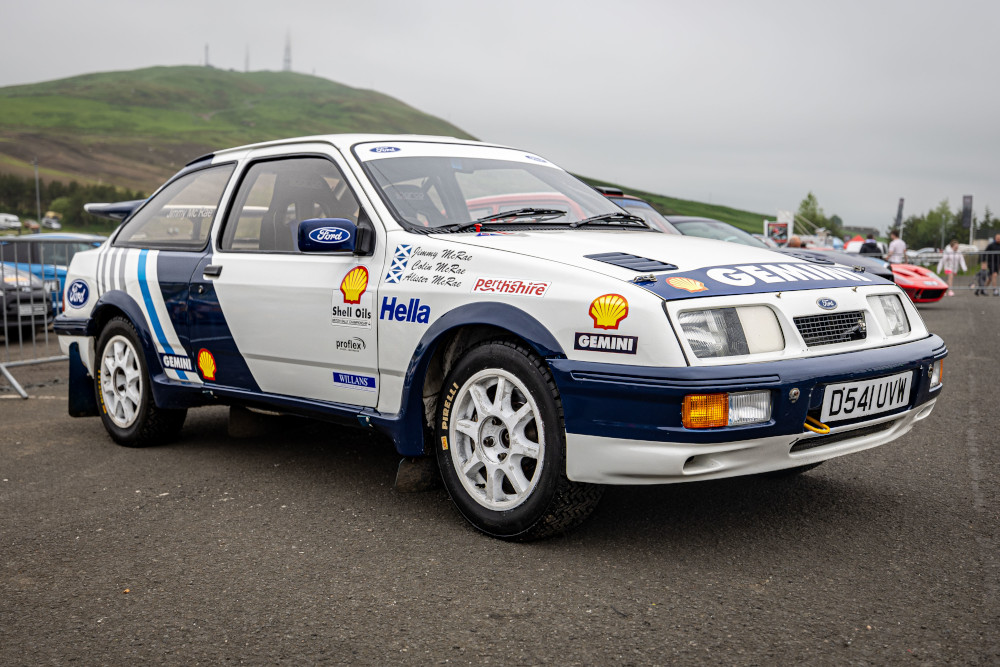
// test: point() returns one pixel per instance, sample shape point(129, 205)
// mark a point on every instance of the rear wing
point(116, 211)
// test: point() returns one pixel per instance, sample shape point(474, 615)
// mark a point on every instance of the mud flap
point(82, 398)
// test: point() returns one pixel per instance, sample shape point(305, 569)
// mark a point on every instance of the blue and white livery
point(482, 306)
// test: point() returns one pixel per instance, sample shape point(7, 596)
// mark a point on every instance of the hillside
point(134, 129)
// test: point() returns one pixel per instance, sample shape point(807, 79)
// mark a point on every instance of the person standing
point(897, 248)
point(993, 262)
point(950, 261)
point(870, 246)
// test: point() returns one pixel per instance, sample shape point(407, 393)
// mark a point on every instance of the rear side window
point(180, 216)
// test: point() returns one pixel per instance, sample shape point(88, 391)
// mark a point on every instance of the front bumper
point(623, 423)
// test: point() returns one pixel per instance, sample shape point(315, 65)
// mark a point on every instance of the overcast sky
point(745, 103)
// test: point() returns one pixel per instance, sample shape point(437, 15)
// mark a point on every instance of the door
point(302, 325)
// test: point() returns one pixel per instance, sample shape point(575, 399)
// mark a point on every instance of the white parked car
point(9, 221)
point(480, 305)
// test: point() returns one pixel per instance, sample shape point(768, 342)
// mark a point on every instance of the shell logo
point(354, 284)
point(689, 284)
point(206, 364)
point(608, 311)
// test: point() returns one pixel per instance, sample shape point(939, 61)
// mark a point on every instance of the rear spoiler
point(116, 211)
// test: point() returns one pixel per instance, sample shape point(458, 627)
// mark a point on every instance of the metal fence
point(32, 277)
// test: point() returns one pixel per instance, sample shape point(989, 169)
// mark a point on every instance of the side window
point(275, 195)
point(180, 216)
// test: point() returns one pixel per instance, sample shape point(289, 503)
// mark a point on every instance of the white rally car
point(480, 304)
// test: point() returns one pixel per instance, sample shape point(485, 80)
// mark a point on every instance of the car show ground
point(293, 546)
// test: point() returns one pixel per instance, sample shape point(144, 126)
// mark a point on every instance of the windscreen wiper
point(620, 218)
point(506, 216)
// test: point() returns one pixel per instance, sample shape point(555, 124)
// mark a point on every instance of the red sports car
point(920, 284)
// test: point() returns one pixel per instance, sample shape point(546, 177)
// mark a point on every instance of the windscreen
point(436, 191)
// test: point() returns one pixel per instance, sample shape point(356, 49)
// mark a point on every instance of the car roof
point(346, 141)
point(62, 236)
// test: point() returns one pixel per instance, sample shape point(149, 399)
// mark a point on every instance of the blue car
point(47, 256)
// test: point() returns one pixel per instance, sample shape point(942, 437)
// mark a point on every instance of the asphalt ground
point(294, 547)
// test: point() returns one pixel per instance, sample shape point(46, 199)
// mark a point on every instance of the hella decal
point(77, 294)
point(352, 381)
point(329, 235)
point(606, 343)
point(826, 303)
point(413, 311)
point(177, 362)
point(206, 364)
point(385, 149)
point(608, 311)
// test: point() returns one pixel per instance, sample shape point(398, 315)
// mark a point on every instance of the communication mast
point(288, 53)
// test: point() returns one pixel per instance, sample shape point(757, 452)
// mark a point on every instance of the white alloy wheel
point(121, 381)
point(498, 439)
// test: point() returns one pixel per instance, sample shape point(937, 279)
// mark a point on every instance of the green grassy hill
point(134, 129)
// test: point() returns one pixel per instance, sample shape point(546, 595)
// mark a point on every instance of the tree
point(810, 209)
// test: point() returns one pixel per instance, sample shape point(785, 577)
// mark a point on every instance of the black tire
point(124, 394)
point(792, 472)
point(514, 486)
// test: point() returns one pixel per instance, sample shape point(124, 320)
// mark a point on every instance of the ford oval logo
point(329, 235)
point(826, 303)
point(385, 149)
point(77, 294)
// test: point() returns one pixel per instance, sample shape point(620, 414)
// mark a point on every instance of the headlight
point(889, 312)
point(731, 332)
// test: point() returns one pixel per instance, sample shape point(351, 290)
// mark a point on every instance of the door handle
point(213, 271)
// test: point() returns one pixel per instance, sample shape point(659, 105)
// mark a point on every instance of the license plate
point(27, 310)
point(850, 400)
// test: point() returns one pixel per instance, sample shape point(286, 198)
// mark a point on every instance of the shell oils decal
point(608, 311)
point(354, 284)
point(689, 284)
point(206, 364)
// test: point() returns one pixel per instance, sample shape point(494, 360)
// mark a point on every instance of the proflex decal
point(352, 304)
point(758, 278)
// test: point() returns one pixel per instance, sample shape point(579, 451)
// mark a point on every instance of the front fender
point(407, 428)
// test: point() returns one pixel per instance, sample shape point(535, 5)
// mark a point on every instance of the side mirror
point(327, 235)
point(365, 243)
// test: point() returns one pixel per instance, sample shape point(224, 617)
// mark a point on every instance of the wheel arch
point(117, 303)
point(438, 350)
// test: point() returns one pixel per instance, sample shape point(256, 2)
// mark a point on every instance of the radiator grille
point(832, 328)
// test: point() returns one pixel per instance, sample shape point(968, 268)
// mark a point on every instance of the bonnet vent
point(633, 262)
